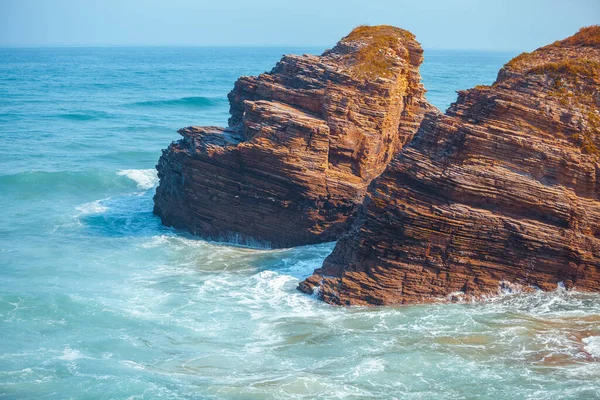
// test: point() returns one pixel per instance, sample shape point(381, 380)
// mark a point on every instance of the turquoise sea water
point(98, 300)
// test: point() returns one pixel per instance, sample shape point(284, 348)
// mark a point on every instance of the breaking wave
point(145, 178)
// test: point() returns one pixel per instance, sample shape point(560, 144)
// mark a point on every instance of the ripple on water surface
point(200, 319)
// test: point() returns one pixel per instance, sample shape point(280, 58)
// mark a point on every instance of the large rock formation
point(303, 143)
point(504, 189)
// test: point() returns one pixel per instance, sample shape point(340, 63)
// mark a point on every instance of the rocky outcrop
point(503, 191)
point(303, 143)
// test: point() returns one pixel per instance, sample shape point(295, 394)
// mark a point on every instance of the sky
point(496, 25)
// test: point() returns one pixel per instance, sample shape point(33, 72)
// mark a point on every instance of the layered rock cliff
point(503, 190)
point(302, 145)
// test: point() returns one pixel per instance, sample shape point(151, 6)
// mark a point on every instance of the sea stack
point(501, 192)
point(302, 145)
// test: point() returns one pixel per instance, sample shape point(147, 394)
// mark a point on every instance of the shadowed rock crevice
point(502, 190)
point(303, 143)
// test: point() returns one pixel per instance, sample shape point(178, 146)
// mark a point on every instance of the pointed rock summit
point(303, 143)
point(501, 192)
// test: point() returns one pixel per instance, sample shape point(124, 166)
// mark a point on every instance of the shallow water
point(98, 300)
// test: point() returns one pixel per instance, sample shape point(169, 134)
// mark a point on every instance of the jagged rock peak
point(303, 143)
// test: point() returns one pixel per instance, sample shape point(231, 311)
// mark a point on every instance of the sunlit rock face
point(303, 143)
point(502, 190)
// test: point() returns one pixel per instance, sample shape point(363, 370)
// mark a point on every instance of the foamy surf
point(592, 345)
point(70, 354)
point(145, 178)
point(93, 207)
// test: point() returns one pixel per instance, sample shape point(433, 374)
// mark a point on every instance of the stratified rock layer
point(504, 189)
point(303, 143)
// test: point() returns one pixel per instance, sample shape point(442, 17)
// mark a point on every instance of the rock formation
point(502, 190)
point(303, 143)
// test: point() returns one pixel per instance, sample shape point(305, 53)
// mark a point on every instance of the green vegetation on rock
point(376, 56)
point(583, 67)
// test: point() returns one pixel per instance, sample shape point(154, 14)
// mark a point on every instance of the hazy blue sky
point(438, 24)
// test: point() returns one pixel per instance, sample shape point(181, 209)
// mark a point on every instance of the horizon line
point(231, 46)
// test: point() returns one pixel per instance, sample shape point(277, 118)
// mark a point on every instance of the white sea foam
point(592, 345)
point(370, 366)
point(94, 207)
point(132, 364)
point(25, 371)
point(145, 178)
point(155, 241)
point(70, 354)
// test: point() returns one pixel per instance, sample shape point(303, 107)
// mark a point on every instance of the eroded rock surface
point(503, 190)
point(303, 143)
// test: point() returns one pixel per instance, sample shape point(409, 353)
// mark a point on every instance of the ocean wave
point(369, 367)
point(131, 155)
point(70, 354)
point(145, 178)
point(125, 215)
point(196, 102)
point(592, 345)
point(132, 364)
point(94, 207)
point(42, 181)
point(84, 115)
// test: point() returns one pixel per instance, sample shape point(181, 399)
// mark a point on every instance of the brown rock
point(503, 191)
point(303, 143)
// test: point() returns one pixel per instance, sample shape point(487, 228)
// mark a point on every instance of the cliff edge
point(302, 144)
point(501, 192)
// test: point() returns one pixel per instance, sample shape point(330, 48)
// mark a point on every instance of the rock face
point(303, 143)
point(503, 190)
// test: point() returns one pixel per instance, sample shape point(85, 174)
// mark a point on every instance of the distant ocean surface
point(99, 301)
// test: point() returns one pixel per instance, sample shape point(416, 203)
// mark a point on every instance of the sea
point(98, 300)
